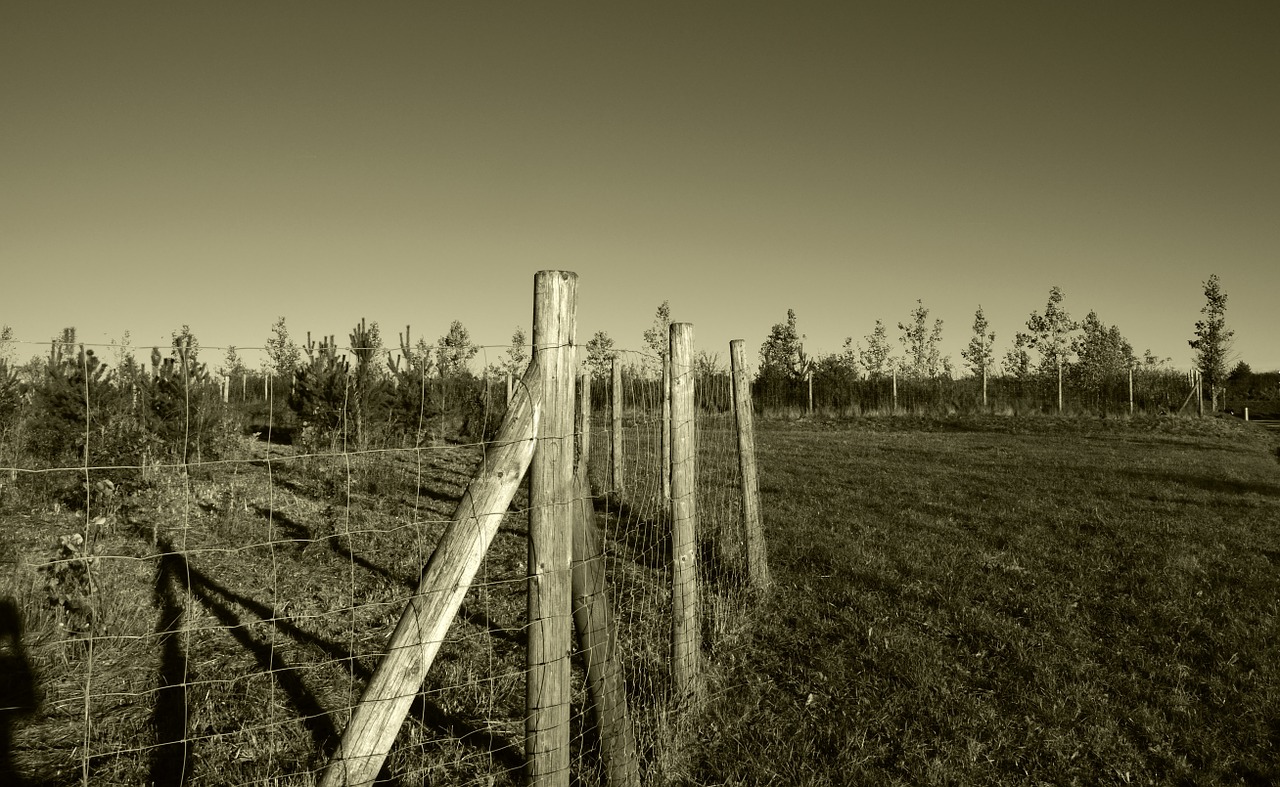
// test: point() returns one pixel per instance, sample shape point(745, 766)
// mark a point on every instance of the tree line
point(1052, 355)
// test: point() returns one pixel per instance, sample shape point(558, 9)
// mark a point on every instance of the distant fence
point(208, 597)
point(1152, 392)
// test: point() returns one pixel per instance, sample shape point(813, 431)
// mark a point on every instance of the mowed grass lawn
point(1017, 601)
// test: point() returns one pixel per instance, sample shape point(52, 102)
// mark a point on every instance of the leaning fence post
point(686, 628)
point(616, 432)
point(757, 556)
point(551, 533)
point(377, 719)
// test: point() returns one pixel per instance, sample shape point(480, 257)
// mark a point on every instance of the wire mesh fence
point(1148, 391)
point(200, 587)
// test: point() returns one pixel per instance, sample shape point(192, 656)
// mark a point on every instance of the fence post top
point(566, 275)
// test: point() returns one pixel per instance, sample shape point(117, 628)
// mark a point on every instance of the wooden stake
point(551, 533)
point(582, 420)
point(757, 556)
point(1059, 358)
point(597, 639)
point(376, 721)
point(686, 629)
point(616, 413)
point(664, 472)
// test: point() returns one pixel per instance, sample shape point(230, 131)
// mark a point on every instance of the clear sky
point(223, 164)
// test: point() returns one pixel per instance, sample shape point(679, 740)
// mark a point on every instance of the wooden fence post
point(1059, 357)
point(1199, 394)
point(686, 627)
point(582, 420)
point(551, 533)
point(809, 375)
point(597, 640)
point(1130, 391)
point(895, 391)
point(757, 556)
point(616, 432)
point(664, 472)
point(377, 719)
point(508, 387)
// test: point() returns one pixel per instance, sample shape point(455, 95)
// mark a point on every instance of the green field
point(975, 600)
point(1019, 601)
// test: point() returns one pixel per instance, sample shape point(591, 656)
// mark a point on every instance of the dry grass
point(237, 612)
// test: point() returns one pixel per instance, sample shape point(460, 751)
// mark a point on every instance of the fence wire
point(201, 576)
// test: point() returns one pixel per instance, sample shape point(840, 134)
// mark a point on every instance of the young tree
point(232, 365)
point(600, 355)
point(517, 354)
point(1103, 356)
point(282, 354)
point(186, 347)
point(656, 338)
point(454, 351)
point(877, 358)
point(70, 399)
point(6, 343)
point(1050, 335)
point(366, 346)
point(782, 354)
point(979, 354)
point(847, 359)
point(1213, 340)
point(923, 359)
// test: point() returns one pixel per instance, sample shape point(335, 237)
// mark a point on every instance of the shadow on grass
point(647, 538)
point(18, 695)
point(1219, 485)
point(171, 760)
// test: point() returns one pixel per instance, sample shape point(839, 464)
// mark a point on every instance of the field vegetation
point(995, 600)
point(196, 589)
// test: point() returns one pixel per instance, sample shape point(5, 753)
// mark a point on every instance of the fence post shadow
point(19, 694)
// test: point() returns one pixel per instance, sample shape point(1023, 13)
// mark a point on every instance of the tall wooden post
point(582, 420)
point(895, 391)
point(664, 472)
point(551, 533)
point(593, 618)
point(1130, 391)
point(1199, 394)
point(686, 628)
point(445, 579)
point(757, 556)
point(615, 411)
point(810, 376)
point(508, 387)
point(1059, 358)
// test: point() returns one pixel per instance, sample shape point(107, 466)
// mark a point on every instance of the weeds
point(69, 585)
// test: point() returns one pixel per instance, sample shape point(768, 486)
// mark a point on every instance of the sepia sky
point(222, 164)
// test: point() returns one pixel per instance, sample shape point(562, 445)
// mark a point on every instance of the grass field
point(969, 601)
point(1017, 601)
